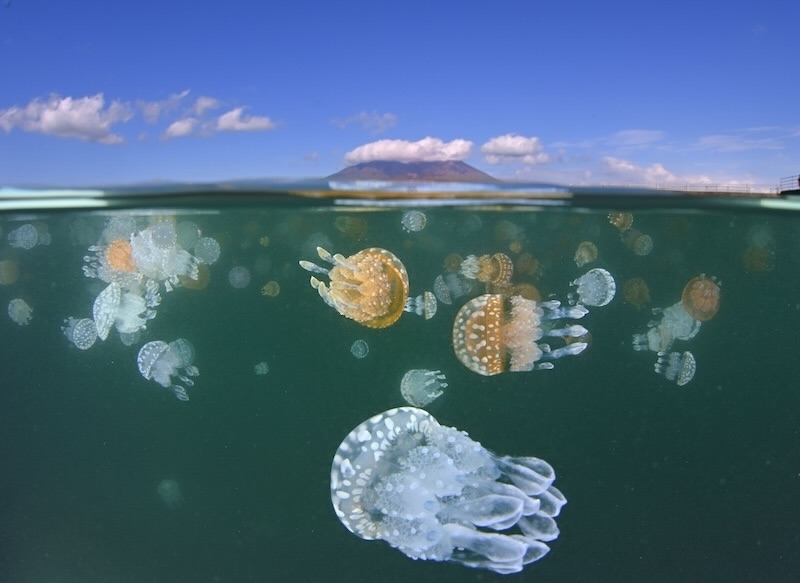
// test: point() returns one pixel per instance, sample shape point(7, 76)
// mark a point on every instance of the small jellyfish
point(359, 349)
point(700, 298)
point(413, 221)
point(596, 287)
point(586, 253)
point(261, 368)
point(170, 493)
point(200, 282)
point(621, 221)
point(435, 494)
point(239, 277)
point(527, 264)
point(494, 269)
point(441, 291)
point(493, 334)
point(20, 312)
point(207, 250)
point(676, 366)
point(675, 324)
point(420, 387)
point(422, 305)
point(271, 289)
point(758, 259)
point(160, 361)
point(636, 292)
point(452, 263)
point(264, 241)
point(188, 234)
point(352, 227)
point(24, 237)
point(81, 332)
point(370, 287)
point(9, 272)
point(637, 242)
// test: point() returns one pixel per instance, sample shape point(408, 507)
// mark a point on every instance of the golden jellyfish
point(9, 272)
point(452, 263)
point(758, 259)
point(638, 242)
point(352, 227)
point(493, 334)
point(118, 256)
point(370, 287)
point(586, 253)
point(700, 298)
point(636, 292)
point(271, 289)
point(494, 269)
point(621, 221)
point(527, 264)
point(527, 291)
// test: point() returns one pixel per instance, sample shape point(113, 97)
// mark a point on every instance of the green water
point(664, 483)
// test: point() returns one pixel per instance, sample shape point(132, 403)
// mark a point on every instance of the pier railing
point(789, 183)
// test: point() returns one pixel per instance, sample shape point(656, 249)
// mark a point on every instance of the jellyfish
point(675, 324)
point(261, 368)
point(526, 264)
point(676, 366)
point(422, 305)
point(636, 292)
point(637, 241)
point(434, 494)
point(420, 387)
point(160, 361)
point(700, 298)
point(271, 289)
point(450, 287)
point(352, 227)
point(207, 250)
point(24, 237)
point(9, 272)
point(596, 287)
point(370, 287)
point(127, 310)
point(494, 269)
point(188, 234)
point(81, 332)
point(493, 334)
point(359, 349)
point(413, 221)
point(239, 277)
point(157, 255)
point(621, 221)
point(586, 253)
point(170, 493)
point(20, 311)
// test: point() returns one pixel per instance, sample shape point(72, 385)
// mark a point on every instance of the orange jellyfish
point(370, 287)
point(700, 298)
point(493, 334)
point(9, 272)
point(271, 289)
point(636, 292)
point(118, 256)
point(758, 259)
point(621, 221)
point(202, 280)
point(494, 269)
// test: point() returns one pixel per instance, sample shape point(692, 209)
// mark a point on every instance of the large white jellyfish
point(128, 311)
point(20, 311)
point(160, 362)
point(675, 324)
point(435, 494)
point(596, 287)
point(81, 332)
point(158, 256)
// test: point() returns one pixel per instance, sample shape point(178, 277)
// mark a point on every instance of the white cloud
point(425, 150)
point(85, 118)
point(374, 122)
point(636, 138)
point(152, 110)
point(235, 121)
point(654, 174)
point(180, 128)
point(204, 103)
point(513, 148)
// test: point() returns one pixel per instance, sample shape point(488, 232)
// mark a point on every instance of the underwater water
point(106, 476)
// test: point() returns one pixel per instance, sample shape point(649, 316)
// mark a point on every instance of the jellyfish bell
point(413, 221)
point(170, 493)
point(239, 277)
point(420, 387)
point(493, 334)
point(434, 494)
point(636, 292)
point(20, 312)
point(700, 298)
point(678, 367)
point(424, 305)
point(675, 324)
point(160, 362)
point(370, 287)
point(9, 271)
point(359, 349)
point(261, 368)
point(80, 332)
point(494, 269)
point(585, 253)
point(25, 237)
point(622, 221)
point(596, 287)
point(640, 243)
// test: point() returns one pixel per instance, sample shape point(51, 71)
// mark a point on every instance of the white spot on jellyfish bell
point(170, 493)
point(81, 332)
point(160, 362)
point(19, 311)
point(596, 287)
point(420, 387)
point(435, 494)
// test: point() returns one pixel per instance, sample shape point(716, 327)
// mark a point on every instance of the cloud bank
point(425, 150)
point(511, 148)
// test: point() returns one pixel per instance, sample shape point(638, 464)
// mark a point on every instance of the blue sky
point(661, 92)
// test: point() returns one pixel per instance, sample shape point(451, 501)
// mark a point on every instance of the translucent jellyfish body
point(420, 387)
point(239, 277)
point(700, 298)
point(157, 255)
point(596, 287)
point(435, 494)
point(207, 250)
point(424, 305)
point(451, 287)
point(359, 349)
point(127, 310)
point(24, 237)
point(413, 221)
point(170, 493)
point(81, 332)
point(261, 368)
point(675, 324)
point(678, 367)
point(9, 271)
point(19, 311)
point(493, 334)
point(160, 362)
point(370, 287)
point(585, 253)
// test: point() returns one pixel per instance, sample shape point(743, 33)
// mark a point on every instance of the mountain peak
point(448, 171)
